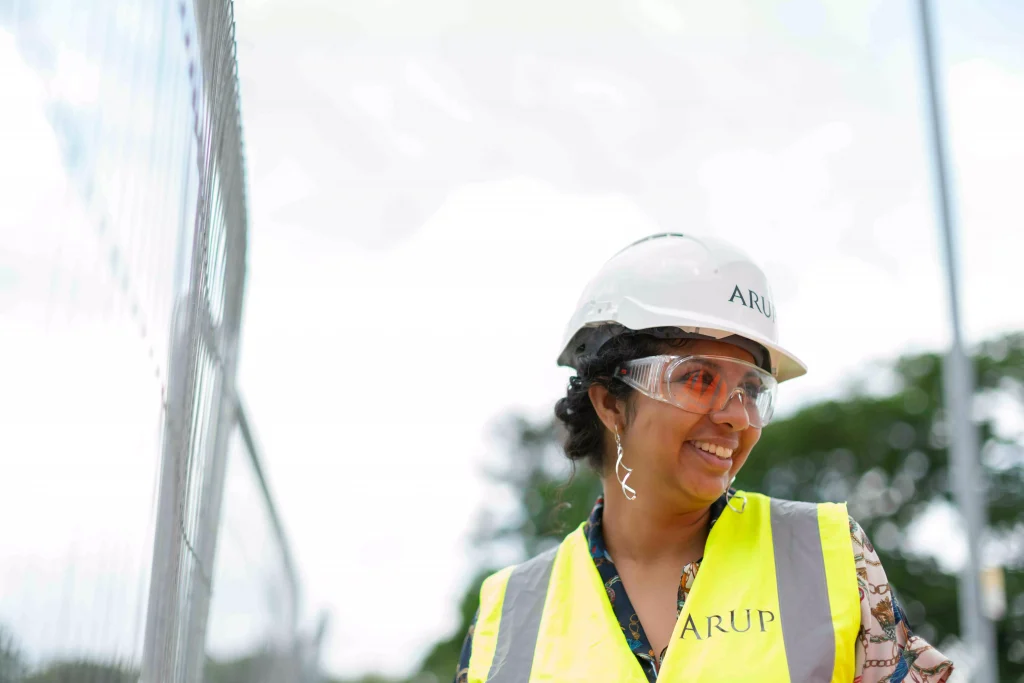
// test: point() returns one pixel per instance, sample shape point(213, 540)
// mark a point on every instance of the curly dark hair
point(584, 430)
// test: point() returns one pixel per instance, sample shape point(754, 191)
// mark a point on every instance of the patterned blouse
point(887, 651)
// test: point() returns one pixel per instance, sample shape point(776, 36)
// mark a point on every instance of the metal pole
point(958, 388)
point(252, 449)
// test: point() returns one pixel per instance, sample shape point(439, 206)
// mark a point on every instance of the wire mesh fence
point(203, 357)
point(122, 269)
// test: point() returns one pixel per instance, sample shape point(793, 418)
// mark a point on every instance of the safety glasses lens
point(706, 384)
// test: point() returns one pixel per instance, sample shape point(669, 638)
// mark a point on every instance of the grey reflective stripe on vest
point(525, 594)
point(803, 592)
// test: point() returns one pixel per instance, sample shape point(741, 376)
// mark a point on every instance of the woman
point(675, 347)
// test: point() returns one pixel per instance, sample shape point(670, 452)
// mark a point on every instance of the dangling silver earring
point(729, 497)
point(627, 490)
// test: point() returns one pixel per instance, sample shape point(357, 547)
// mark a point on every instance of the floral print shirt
point(887, 650)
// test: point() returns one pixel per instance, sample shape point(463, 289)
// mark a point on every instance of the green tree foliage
point(12, 664)
point(79, 671)
point(883, 451)
point(259, 667)
point(13, 668)
point(547, 504)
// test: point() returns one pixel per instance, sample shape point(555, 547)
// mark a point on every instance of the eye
point(753, 389)
point(699, 380)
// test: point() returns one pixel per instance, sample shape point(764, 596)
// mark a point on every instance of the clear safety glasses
point(703, 384)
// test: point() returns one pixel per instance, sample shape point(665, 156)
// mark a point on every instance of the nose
point(732, 413)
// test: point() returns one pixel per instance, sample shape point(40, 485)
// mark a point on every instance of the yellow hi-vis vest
point(776, 599)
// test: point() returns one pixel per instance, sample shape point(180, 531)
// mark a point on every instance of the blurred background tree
point(265, 664)
point(82, 670)
point(12, 664)
point(546, 500)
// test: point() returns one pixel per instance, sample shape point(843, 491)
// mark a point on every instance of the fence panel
point(98, 198)
point(122, 264)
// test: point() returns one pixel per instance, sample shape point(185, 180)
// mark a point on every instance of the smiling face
point(685, 459)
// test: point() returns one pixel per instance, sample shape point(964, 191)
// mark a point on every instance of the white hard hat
point(681, 286)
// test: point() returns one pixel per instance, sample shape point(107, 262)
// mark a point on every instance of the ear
point(610, 410)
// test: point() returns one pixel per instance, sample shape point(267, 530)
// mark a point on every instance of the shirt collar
point(595, 535)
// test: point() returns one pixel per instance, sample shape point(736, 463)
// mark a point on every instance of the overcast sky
point(432, 184)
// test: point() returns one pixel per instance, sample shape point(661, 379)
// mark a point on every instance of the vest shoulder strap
point(511, 604)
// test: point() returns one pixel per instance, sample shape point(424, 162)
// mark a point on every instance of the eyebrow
point(708, 363)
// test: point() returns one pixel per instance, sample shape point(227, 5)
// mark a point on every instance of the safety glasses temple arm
point(644, 374)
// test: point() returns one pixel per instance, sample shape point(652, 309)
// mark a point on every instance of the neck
point(646, 530)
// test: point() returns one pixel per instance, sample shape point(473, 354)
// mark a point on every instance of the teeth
point(719, 451)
